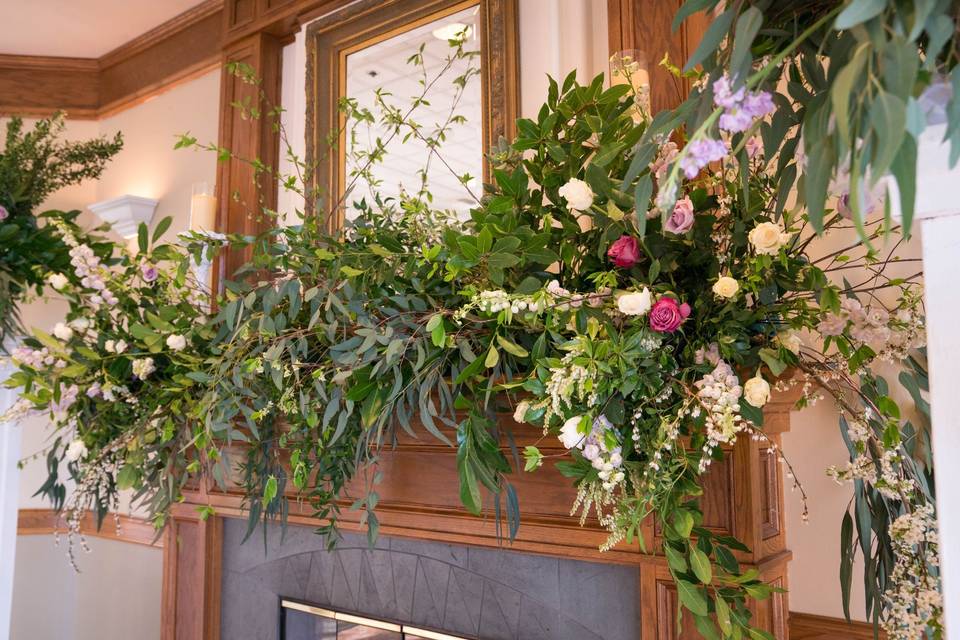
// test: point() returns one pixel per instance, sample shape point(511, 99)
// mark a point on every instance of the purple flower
point(667, 315)
point(723, 97)
point(4, 214)
point(148, 271)
point(736, 120)
point(681, 220)
point(758, 104)
point(625, 252)
point(700, 153)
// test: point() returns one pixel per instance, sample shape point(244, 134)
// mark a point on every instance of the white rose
point(76, 450)
point(570, 436)
point(726, 287)
point(578, 194)
point(80, 324)
point(791, 341)
point(521, 411)
point(120, 346)
point(58, 281)
point(176, 342)
point(756, 391)
point(110, 346)
point(635, 304)
point(767, 238)
point(62, 331)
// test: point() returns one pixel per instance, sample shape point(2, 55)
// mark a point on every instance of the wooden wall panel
point(191, 578)
point(646, 25)
point(33, 522)
point(243, 194)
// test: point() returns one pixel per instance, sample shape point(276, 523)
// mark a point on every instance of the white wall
point(117, 595)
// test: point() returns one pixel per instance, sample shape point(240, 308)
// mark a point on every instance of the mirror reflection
point(390, 73)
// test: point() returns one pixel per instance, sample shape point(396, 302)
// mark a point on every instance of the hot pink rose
point(667, 315)
point(681, 219)
point(625, 252)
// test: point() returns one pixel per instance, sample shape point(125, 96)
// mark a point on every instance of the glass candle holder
point(630, 67)
point(203, 208)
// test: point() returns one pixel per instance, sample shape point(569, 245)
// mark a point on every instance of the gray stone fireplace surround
point(475, 592)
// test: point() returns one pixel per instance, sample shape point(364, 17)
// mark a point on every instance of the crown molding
point(180, 49)
point(161, 33)
point(56, 63)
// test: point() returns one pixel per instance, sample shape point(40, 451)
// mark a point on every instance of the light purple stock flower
point(740, 107)
point(722, 95)
point(700, 153)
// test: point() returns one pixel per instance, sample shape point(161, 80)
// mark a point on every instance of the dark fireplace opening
point(423, 587)
point(301, 621)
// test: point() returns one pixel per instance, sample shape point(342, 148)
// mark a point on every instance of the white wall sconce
point(125, 213)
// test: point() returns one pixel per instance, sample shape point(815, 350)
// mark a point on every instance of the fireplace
point(405, 589)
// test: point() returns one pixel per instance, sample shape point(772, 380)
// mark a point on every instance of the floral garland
point(642, 339)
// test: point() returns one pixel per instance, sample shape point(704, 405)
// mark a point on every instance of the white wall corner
point(9, 493)
point(125, 213)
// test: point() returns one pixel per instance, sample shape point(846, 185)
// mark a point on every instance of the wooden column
point(192, 550)
point(647, 25)
point(243, 195)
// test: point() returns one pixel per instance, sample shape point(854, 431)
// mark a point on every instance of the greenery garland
point(34, 164)
point(644, 340)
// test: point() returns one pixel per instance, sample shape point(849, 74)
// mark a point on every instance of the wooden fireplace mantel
point(419, 498)
point(419, 494)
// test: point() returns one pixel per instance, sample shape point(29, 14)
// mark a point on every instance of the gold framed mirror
point(365, 45)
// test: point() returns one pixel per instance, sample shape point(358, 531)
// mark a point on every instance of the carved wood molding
point(35, 522)
point(178, 50)
point(806, 626)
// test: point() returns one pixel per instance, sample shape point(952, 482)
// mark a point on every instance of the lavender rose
point(625, 252)
point(681, 220)
point(667, 315)
point(148, 271)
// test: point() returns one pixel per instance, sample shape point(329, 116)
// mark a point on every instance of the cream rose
point(58, 281)
point(791, 341)
point(726, 287)
point(578, 194)
point(756, 391)
point(76, 451)
point(570, 434)
point(62, 331)
point(635, 304)
point(767, 238)
point(176, 342)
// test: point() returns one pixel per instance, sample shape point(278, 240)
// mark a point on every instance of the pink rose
point(681, 219)
point(667, 315)
point(625, 252)
point(4, 214)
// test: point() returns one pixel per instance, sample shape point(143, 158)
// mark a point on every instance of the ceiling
point(384, 65)
point(80, 28)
